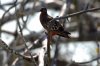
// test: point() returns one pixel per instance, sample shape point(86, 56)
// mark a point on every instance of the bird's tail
point(65, 34)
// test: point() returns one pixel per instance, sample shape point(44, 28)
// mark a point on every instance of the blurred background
point(82, 49)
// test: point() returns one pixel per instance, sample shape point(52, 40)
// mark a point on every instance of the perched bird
point(54, 27)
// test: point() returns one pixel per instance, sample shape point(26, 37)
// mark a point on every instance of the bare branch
point(77, 13)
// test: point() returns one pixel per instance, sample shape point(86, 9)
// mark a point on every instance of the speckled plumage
point(54, 27)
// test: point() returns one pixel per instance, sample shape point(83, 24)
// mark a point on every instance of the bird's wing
point(49, 18)
point(54, 25)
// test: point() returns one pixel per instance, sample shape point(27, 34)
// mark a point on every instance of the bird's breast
point(44, 21)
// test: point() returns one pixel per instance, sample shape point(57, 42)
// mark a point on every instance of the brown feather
point(55, 27)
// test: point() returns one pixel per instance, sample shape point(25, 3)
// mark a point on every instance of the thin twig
point(76, 13)
point(48, 48)
point(54, 62)
point(98, 50)
point(14, 4)
point(25, 42)
point(23, 37)
point(7, 48)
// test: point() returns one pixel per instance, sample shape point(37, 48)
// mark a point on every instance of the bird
point(54, 27)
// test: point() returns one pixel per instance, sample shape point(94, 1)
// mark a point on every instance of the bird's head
point(43, 10)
